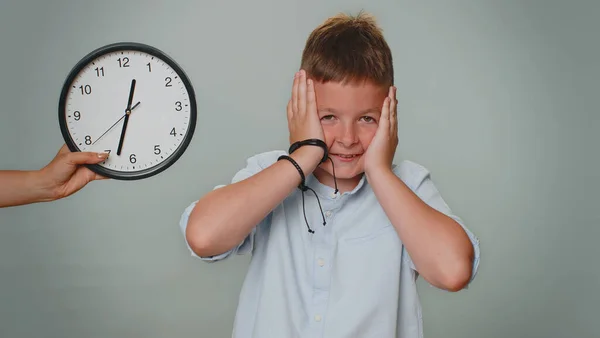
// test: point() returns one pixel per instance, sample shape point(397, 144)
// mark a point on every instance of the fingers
point(303, 117)
point(385, 110)
point(311, 99)
point(63, 150)
point(290, 111)
point(388, 111)
point(295, 93)
point(81, 157)
point(392, 109)
point(86, 157)
point(302, 93)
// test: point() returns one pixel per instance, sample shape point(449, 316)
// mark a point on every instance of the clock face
point(132, 101)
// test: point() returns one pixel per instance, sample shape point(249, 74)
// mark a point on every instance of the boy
point(338, 234)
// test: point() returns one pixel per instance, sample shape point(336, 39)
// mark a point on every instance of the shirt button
point(321, 262)
point(334, 194)
point(317, 318)
point(328, 213)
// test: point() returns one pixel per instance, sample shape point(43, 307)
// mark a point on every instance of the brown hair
point(348, 48)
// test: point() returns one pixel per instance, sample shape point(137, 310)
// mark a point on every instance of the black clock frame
point(139, 47)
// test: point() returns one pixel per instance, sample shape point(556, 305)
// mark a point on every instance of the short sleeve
point(253, 165)
point(419, 180)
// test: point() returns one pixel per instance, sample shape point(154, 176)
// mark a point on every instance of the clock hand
point(130, 96)
point(127, 113)
point(132, 108)
point(123, 133)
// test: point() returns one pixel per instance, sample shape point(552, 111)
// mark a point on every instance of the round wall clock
point(132, 101)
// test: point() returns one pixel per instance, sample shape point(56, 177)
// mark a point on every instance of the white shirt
point(351, 278)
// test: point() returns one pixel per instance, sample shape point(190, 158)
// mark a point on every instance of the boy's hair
point(348, 48)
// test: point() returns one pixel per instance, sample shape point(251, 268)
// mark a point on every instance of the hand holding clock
point(62, 177)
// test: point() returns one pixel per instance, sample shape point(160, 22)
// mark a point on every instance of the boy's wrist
point(308, 158)
point(379, 171)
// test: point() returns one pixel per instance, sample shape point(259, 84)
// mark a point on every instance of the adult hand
point(381, 150)
point(65, 174)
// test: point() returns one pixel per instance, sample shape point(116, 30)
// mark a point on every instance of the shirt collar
point(327, 191)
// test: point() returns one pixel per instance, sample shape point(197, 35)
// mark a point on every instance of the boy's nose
point(348, 136)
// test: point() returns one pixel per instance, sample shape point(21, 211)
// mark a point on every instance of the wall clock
point(133, 101)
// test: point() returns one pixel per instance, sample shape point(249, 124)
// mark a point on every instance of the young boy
point(338, 234)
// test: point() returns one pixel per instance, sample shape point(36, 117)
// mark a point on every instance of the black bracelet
point(302, 186)
point(311, 142)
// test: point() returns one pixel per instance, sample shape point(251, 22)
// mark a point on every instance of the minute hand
point(127, 113)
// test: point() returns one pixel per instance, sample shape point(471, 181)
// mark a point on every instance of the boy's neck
point(343, 185)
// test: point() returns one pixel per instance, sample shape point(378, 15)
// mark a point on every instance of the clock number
point(157, 149)
point(168, 80)
point(178, 106)
point(99, 71)
point(173, 132)
point(124, 62)
point(149, 67)
point(86, 90)
point(132, 158)
point(77, 115)
point(107, 151)
point(88, 140)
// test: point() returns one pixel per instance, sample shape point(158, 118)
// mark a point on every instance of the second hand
point(119, 120)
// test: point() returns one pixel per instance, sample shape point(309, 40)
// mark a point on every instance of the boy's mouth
point(346, 157)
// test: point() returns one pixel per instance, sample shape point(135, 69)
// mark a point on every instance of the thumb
point(86, 157)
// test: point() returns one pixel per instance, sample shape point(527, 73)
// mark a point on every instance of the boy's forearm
point(18, 187)
point(438, 245)
point(225, 216)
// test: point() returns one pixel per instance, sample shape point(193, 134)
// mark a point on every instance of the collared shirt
point(351, 278)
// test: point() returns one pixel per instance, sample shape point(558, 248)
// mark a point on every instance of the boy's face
point(349, 116)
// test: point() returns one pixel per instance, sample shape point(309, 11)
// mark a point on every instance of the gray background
point(497, 98)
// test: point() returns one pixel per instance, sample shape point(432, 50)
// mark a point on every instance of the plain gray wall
point(497, 98)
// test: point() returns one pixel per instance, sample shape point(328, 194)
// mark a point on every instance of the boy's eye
point(368, 119)
point(327, 117)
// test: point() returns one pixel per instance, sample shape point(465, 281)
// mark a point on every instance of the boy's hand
point(380, 152)
point(303, 118)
